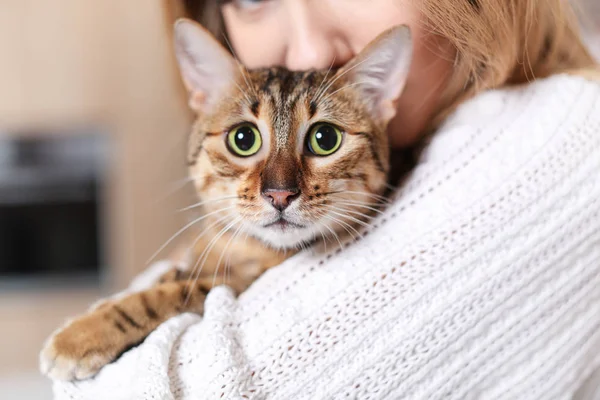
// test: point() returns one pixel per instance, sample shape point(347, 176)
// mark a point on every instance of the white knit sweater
point(481, 281)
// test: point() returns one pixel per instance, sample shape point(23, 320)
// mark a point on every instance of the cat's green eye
point(244, 140)
point(324, 139)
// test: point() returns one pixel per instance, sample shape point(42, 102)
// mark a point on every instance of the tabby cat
point(281, 159)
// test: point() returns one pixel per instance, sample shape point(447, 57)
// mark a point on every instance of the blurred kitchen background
point(93, 124)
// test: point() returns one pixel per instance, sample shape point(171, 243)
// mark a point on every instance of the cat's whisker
point(204, 256)
point(368, 217)
point(340, 223)
point(378, 198)
point(341, 75)
point(245, 240)
point(358, 204)
point(320, 228)
point(344, 225)
point(333, 233)
point(374, 203)
point(204, 231)
point(207, 229)
point(390, 187)
point(317, 92)
point(300, 245)
point(196, 272)
point(228, 266)
point(371, 203)
point(335, 209)
point(342, 88)
point(218, 264)
point(355, 212)
point(335, 236)
point(248, 100)
point(371, 199)
point(356, 220)
point(186, 227)
point(223, 253)
point(373, 195)
point(334, 192)
point(240, 67)
point(201, 203)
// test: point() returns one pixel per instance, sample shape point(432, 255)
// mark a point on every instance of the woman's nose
point(308, 50)
point(312, 43)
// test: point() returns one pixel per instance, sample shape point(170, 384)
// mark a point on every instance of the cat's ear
point(208, 70)
point(379, 72)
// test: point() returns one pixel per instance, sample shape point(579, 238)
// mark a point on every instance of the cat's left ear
point(208, 70)
point(379, 72)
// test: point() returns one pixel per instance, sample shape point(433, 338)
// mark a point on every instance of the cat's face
point(289, 157)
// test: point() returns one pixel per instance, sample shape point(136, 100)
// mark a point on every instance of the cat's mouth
point(282, 223)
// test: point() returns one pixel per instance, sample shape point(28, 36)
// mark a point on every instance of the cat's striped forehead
point(286, 99)
point(285, 88)
point(283, 98)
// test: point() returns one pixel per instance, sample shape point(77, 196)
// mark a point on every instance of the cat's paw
point(72, 355)
point(85, 345)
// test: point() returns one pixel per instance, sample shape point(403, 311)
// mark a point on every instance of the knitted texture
point(480, 281)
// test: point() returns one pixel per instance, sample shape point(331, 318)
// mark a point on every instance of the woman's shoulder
point(562, 99)
point(521, 119)
point(566, 87)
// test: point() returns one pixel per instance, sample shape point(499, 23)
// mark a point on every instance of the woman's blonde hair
point(497, 42)
point(500, 42)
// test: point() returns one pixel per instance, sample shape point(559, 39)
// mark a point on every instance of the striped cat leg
point(81, 348)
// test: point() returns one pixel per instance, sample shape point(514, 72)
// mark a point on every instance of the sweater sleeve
point(481, 280)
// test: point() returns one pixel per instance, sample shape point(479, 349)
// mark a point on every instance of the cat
point(281, 160)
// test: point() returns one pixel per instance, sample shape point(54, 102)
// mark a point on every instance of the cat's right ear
point(207, 69)
point(380, 70)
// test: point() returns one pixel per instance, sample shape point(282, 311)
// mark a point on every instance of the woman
point(481, 279)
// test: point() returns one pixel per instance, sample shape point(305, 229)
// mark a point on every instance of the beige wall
point(106, 63)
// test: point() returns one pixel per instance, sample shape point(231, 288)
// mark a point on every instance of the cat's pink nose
point(281, 199)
